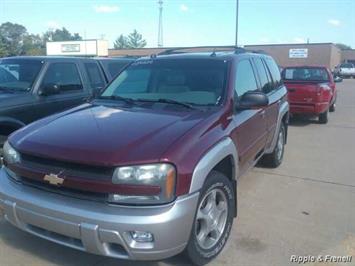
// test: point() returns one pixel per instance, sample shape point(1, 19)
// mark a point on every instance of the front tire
point(323, 117)
point(213, 219)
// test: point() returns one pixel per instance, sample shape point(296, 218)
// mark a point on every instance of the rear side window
point(115, 67)
point(274, 71)
point(245, 78)
point(266, 86)
point(95, 77)
point(64, 75)
point(346, 65)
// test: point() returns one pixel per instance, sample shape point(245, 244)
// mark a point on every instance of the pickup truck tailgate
point(302, 92)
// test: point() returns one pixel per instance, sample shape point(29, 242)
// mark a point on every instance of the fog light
point(140, 236)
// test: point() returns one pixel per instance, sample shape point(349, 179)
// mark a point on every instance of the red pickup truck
point(311, 91)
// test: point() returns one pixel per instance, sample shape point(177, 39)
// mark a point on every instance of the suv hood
point(102, 135)
point(4, 96)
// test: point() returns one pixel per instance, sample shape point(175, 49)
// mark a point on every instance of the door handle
point(262, 113)
point(291, 90)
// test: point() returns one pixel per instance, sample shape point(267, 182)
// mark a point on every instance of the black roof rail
point(214, 49)
point(256, 51)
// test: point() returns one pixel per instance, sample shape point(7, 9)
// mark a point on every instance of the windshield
point(193, 81)
point(348, 65)
point(306, 74)
point(18, 75)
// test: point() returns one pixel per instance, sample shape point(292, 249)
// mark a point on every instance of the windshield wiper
point(116, 97)
point(169, 101)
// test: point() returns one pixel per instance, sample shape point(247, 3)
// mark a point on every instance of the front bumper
point(96, 227)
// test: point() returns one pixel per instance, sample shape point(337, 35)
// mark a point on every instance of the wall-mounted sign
point(69, 48)
point(298, 53)
point(78, 48)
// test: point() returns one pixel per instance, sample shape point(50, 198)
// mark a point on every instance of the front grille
point(76, 170)
point(71, 169)
point(74, 193)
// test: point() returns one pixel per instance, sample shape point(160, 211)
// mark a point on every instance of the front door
point(71, 90)
point(250, 132)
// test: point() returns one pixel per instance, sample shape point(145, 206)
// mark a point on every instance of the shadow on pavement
point(302, 121)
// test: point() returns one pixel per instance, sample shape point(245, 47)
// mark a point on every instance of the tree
point(342, 46)
point(59, 35)
point(121, 42)
point(12, 35)
point(34, 45)
point(3, 51)
point(135, 40)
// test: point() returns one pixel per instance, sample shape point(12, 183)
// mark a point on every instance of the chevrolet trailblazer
point(149, 169)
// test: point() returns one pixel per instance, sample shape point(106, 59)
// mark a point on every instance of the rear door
point(67, 77)
point(94, 76)
point(250, 131)
point(273, 87)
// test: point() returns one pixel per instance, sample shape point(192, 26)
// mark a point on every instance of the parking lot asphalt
point(304, 207)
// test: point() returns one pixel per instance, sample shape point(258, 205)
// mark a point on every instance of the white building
point(78, 48)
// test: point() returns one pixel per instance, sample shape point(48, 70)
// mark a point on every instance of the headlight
point(10, 154)
point(146, 184)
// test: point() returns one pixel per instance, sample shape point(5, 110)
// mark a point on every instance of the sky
point(191, 22)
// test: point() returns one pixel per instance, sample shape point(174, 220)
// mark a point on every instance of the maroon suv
point(149, 169)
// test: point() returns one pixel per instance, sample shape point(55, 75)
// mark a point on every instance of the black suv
point(35, 87)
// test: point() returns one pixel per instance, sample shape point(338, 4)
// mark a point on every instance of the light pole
point(160, 27)
point(236, 22)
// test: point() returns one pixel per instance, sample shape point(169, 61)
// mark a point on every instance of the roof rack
point(214, 49)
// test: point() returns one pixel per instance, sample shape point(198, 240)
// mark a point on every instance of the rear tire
point(2, 142)
point(323, 117)
point(213, 219)
point(274, 159)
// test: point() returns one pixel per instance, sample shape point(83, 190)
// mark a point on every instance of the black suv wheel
point(213, 219)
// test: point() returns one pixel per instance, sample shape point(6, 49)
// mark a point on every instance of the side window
point(274, 71)
point(266, 85)
point(115, 67)
point(64, 75)
point(94, 74)
point(245, 78)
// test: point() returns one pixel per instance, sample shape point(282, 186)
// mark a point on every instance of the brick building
point(327, 54)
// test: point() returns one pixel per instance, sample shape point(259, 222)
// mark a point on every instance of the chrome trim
point(221, 150)
point(284, 108)
point(98, 228)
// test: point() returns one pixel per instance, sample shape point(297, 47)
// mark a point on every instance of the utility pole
point(160, 27)
point(236, 22)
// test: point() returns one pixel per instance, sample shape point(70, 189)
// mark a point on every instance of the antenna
point(160, 27)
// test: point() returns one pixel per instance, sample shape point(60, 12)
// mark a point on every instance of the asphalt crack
point(307, 179)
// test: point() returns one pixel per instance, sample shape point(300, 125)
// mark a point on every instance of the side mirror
point(49, 89)
point(338, 79)
point(252, 99)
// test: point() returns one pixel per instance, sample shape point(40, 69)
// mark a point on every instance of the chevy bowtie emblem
point(53, 179)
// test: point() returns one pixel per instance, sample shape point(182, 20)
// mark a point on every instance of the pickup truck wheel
point(213, 219)
point(2, 141)
point(323, 117)
point(332, 107)
point(274, 159)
